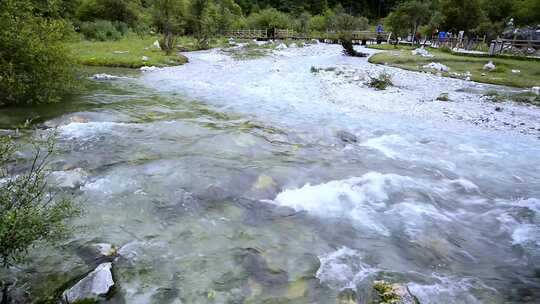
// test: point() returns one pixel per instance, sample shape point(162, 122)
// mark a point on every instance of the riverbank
point(133, 52)
point(508, 71)
point(198, 173)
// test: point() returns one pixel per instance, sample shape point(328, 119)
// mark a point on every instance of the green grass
point(127, 52)
point(402, 58)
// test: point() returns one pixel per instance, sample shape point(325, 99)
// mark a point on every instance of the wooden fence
point(292, 34)
point(470, 44)
point(515, 47)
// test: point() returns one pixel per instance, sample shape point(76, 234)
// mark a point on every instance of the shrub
point(103, 30)
point(28, 212)
point(269, 18)
point(443, 97)
point(35, 66)
point(348, 48)
point(380, 82)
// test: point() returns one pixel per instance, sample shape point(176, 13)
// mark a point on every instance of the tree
point(127, 11)
point(527, 12)
point(204, 15)
point(29, 213)
point(169, 18)
point(35, 66)
point(461, 15)
point(408, 17)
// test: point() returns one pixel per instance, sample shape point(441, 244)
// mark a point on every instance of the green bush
point(103, 30)
point(35, 66)
point(380, 82)
point(269, 18)
point(28, 212)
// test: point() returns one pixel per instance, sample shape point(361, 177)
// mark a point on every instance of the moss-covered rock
point(388, 293)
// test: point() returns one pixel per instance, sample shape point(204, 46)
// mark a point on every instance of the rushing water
point(227, 182)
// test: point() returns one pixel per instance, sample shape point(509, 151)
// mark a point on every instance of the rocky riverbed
point(288, 179)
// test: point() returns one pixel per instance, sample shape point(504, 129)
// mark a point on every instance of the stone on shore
point(96, 285)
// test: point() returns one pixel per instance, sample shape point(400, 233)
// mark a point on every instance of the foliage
point(269, 18)
point(348, 48)
point(527, 11)
point(29, 214)
point(381, 81)
point(169, 16)
point(443, 97)
point(103, 30)
point(127, 11)
point(408, 17)
point(35, 66)
point(461, 14)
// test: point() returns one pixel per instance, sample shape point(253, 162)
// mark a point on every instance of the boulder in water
point(105, 249)
point(393, 293)
point(346, 136)
point(71, 179)
point(96, 285)
point(536, 90)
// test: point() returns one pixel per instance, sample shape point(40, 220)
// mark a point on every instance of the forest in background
point(35, 65)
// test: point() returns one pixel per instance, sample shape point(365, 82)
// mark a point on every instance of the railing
point(247, 34)
point(292, 34)
point(515, 47)
point(470, 44)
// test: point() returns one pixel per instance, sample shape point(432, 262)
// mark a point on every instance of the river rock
point(71, 179)
point(536, 90)
point(421, 52)
point(393, 293)
point(94, 286)
point(150, 69)
point(347, 296)
point(264, 182)
point(489, 66)
point(436, 66)
point(105, 249)
point(104, 77)
point(346, 136)
point(78, 119)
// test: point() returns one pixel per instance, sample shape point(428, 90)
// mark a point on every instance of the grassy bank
point(401, 57)
point(132, 52)
point(129, 52)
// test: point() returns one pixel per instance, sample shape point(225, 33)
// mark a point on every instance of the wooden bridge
point(328, 36)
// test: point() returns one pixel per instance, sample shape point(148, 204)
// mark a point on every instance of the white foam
point(389, 145)
point(526, 234)
point(359, 198)
point(76, 130)
point(106, 77)
point(343, 268)
point(450, 291)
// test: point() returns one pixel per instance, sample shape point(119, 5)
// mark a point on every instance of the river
point(262, 181)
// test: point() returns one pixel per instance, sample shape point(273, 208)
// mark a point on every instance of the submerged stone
point(259, 270)
point(264, 182)
point(94, 286)
point(346, 137)
point(388, 293)
point(347, 296)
